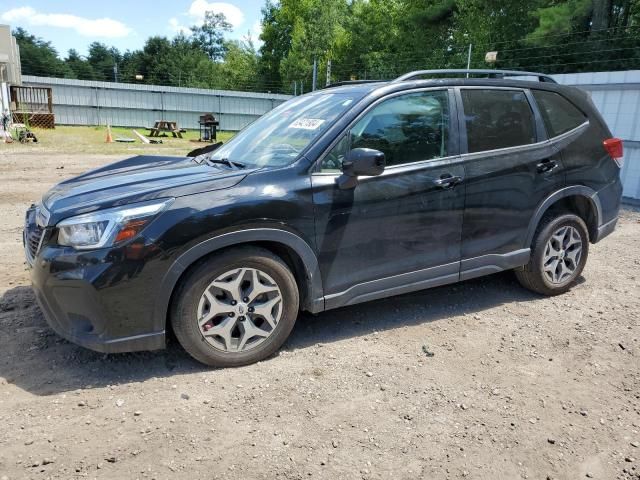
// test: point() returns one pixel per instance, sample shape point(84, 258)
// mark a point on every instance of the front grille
point(32, 236)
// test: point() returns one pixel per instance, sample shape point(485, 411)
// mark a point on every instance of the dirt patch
point(519, 386)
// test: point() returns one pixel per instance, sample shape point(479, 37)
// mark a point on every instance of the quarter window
point(558, 113)
point(332, 162)
point(497, 119)
point(407, 128)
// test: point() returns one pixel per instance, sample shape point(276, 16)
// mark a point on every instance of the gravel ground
point(480, 380)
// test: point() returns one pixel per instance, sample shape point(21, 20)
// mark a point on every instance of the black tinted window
point(558, 113)
point(407, 128)
point(497, 119)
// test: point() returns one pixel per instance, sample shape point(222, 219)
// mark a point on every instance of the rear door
point(510, 169)
point(399, 231)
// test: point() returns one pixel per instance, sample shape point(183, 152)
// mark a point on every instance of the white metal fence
point(617, 96)
point(82, 102)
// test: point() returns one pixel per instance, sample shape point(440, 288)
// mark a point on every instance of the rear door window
point(497, 119)
point(558, 113)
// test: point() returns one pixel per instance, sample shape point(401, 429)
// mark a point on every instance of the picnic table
point(165, 126)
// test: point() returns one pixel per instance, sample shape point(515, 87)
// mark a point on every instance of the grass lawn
point(73, 139)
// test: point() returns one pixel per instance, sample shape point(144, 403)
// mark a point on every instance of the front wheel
point(236, 308)
point(559, 254)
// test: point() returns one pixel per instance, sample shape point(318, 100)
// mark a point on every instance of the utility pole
point(328, 73)
point(315, 74)
point(115, 72)
point(295, 88)
point(469, 60)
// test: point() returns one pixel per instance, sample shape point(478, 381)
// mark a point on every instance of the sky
point(124, 24)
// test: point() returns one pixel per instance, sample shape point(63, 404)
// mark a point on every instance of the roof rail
point(351, 82)
point(492, 73)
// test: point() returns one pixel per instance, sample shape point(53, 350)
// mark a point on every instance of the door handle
point(547, 165)
point(447, 180)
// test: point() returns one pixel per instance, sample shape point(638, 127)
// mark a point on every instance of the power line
point(577, 63)
point(459, 50)
point(530, 37)
point(339, 67)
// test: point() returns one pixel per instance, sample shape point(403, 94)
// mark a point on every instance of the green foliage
point(559, 18)
point(366, 39)
point(297, 31)
point(384, 38)
point(103, 59)
point(39, 57)
point(210, 35)
point(240, 66)
point(276, 38)
point(80, 66)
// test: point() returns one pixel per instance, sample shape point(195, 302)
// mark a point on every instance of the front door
point(399, 231)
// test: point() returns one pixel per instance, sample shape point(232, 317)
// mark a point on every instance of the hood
point(136, 179)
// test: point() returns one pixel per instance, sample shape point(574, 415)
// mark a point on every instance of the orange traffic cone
point(109, 138)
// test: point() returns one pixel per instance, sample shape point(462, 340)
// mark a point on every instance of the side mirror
point(360, 162)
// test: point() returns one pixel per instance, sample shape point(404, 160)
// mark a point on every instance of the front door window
point(407, 128)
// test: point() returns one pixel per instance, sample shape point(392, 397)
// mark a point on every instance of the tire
point(192, 305)
point(534, 276)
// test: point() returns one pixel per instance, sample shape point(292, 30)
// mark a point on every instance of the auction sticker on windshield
point(307, 123)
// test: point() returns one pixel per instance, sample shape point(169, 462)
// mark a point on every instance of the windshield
point(277, 138)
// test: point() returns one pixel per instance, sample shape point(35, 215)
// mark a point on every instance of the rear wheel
point(559, 254)
point(236, 308)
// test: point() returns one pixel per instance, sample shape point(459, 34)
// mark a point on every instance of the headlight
point(108, 227)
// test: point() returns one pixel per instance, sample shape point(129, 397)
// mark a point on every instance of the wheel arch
point(578, 199)
point(293, 250)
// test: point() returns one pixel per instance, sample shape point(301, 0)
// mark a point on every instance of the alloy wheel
point(562, 254)
point(239, 310)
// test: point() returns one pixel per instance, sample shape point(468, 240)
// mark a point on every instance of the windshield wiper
point(225, 161)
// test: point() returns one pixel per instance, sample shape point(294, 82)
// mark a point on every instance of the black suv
point(344, 195)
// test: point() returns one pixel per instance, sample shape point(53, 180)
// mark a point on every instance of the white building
point(10, 70)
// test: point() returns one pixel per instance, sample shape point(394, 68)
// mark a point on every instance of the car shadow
point(36, 359)
point(415, 308)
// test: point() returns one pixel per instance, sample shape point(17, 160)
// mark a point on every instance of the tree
point(239, 70)
point(297, 31)
point(491, 25)
point(594, 16)
point(81, 68)
point(585, 35)
point(38, 57)
point(176, 62)
point(276, 40)
point(102, 59)
point(210, 35)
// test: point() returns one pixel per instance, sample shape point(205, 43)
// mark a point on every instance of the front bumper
point(99, 343)
point(102, 300)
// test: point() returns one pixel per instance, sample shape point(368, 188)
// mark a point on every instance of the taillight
point(615, 149)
